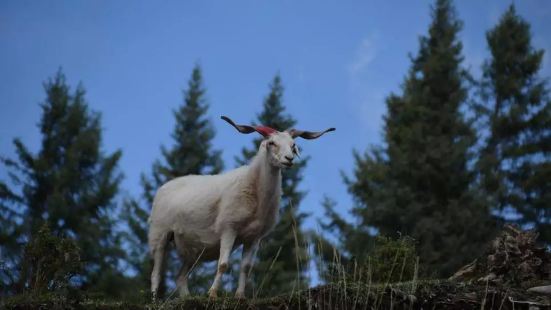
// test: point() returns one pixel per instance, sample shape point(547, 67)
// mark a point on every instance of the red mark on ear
point(264, 130)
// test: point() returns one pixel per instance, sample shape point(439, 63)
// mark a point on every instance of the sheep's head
point(280, 145)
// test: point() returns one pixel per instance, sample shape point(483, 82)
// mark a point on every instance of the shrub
point(49, 262)
point(389, 260)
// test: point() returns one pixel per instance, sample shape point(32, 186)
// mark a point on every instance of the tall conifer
point(515, 161)
point(419, 182)
point(70, 184)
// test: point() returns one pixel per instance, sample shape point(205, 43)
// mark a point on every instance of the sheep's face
point(281, 149)
point(280, 146)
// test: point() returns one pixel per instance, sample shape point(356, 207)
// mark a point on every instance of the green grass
point(388, 279)
point(428, 294)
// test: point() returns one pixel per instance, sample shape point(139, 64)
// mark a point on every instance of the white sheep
point(208, 216)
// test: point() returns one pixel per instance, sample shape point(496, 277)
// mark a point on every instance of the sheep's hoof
point(240, 295)
point(184, 294)
point(213, 293)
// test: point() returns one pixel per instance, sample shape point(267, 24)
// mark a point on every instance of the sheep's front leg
point(226, 245)
point(246, 264)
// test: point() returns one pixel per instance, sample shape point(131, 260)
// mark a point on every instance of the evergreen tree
point(191, 153)
point(11, 235)
point(283, 250)
point(515, 161)
point(419, 183)
point(69, 185)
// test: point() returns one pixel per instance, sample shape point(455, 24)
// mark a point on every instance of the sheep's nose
point(289, 158)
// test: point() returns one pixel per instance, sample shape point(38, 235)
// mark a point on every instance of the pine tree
point(283, 250)
point(11, 234)
point(515, 161)
point(191, 153)
point(419, 183)
point(70, 185)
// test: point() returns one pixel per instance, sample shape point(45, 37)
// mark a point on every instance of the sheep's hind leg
point(226, 245)
point(187, 263)
point(182, 282)
point(158, 253)
point(246, 264)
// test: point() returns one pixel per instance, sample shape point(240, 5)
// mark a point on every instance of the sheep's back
point(192, 201)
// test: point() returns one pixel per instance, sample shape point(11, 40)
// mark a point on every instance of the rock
point(412, 299)
point(465, 273)
point(514, 259)
point(488, 278)
point(542, 290)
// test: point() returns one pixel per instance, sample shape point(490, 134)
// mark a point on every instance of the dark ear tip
point(227, 119)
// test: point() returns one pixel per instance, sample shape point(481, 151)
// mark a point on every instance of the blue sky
point(338, 61)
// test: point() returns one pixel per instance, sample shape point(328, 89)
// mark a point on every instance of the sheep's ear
point(246, 129)
point(241, 128)
point(264, 130)
point(308, 134)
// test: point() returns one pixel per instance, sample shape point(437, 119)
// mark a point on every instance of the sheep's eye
point(272, 143)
